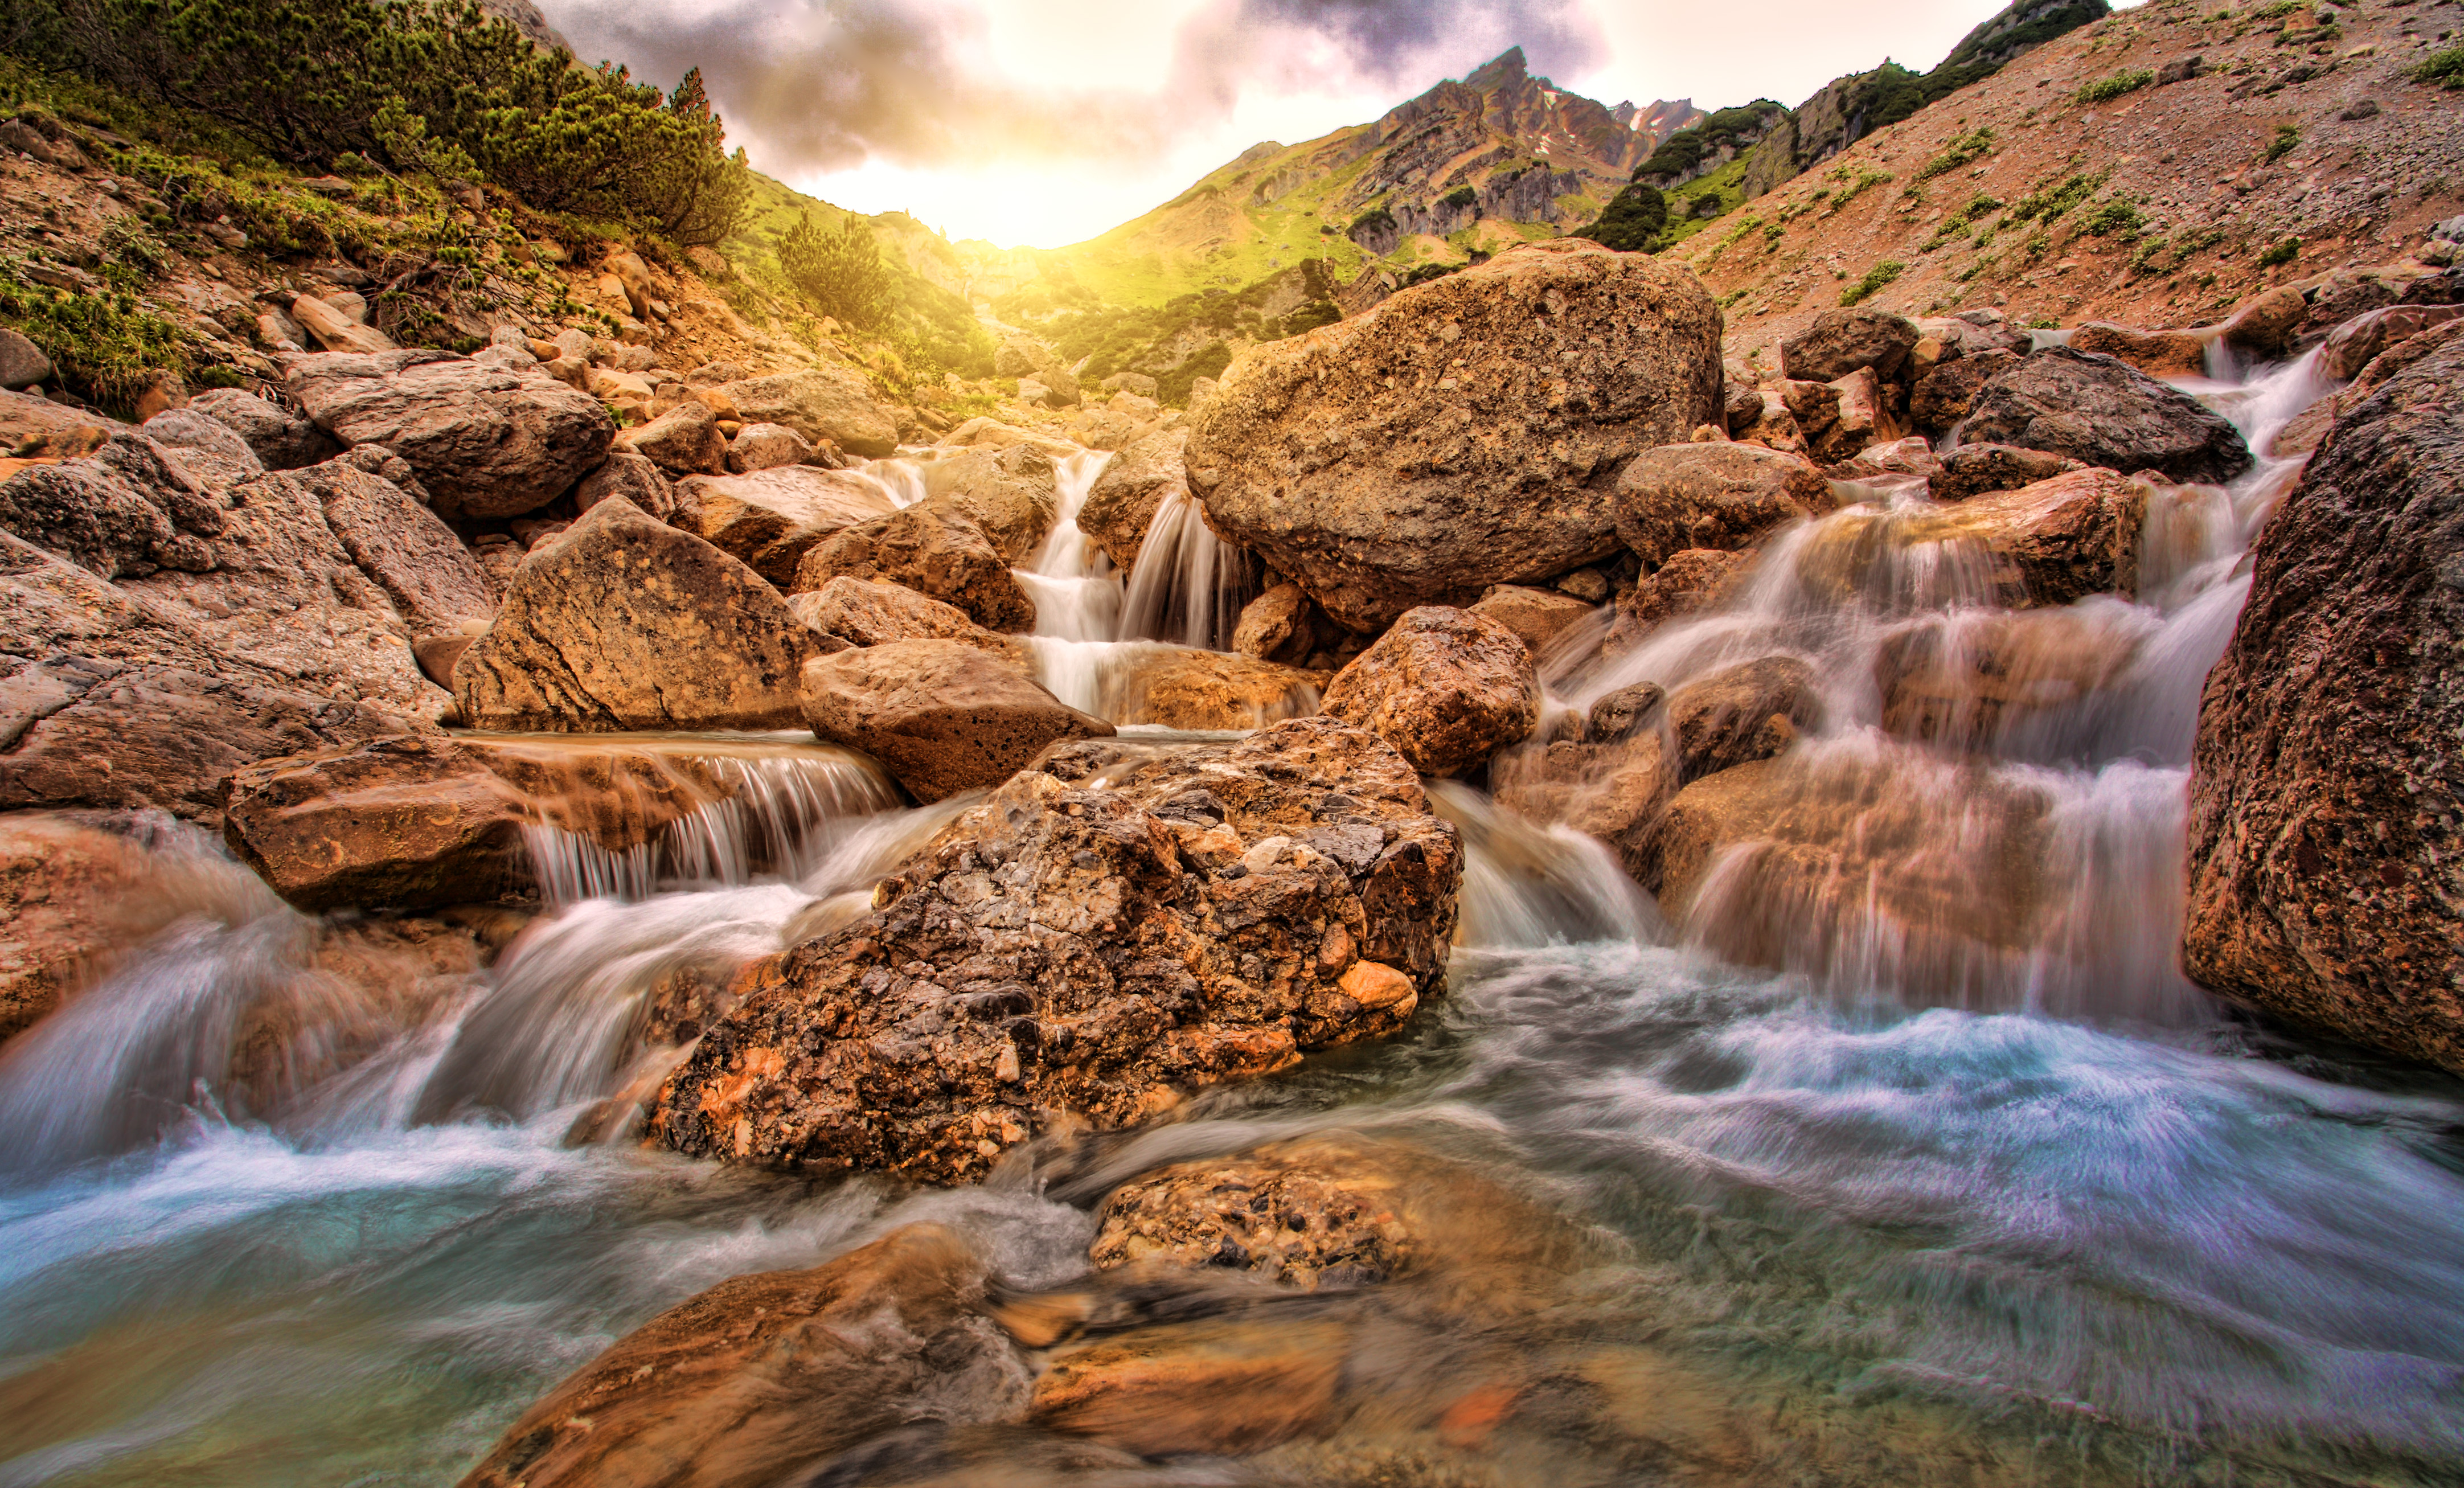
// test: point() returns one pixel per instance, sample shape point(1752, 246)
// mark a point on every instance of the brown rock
point(870, 613)
point(434, 583)
point(1535, 616)
point(2350, 347)
point(1944, 395)
point(1111, 926)
point(337, 332)
point(1447, 687)
point(1283, 625)
point(67, 892)
point(2156, 353)
point(2047, 543)
point(2265, 326)
point(771, 518)
point(934, 549)
point(2325, 792)
point(280, 439)
point(1972, 470)
point(1841, 342)
point(766, 447)
point(1689, 583)
point(625, 622)
point(486, 440)
point(1011, 493)
point(1470, 432)
point(1994, 679)
point(940, 716)
point(683, 440)
point(633, 477)
point(1225, 1388)
point(2100, 411)
point(1679, 496)
point(205, 447)
point(1122, 503)
point(822, 403)
point(1862, 418)
point(1179, 687)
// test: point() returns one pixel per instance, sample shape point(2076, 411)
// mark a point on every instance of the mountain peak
point(1503, 70)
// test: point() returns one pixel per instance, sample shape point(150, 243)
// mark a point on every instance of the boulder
point(632, 477)
point(2325, 870)
point(2352, 345)
point(2156, 353)
point(832, 403)
point(1011, 493)
point(22, 362)
point(205, 447)
point(863, 612)
point(1944, 395)
point(2266, 326)
point(1973, 469)
point(942, 717)
point(2000, 680)
point(336, 331)
point(422, 822)
point(2050, 542)
point(1711, 496)
point(764, 447)
point(434, 580)
point(623, 622)
point(2101, 411)
point(1447, 687)
point(930, 547)
point(1178, 688)
point(1687, 584)
point(1860, 418)
point(1470, 432)
point(1842, 342)
point(683, 440)
point(1535, 616)
point(68, 892)
point(485, 441)
point(126, 510)
point(1283, 625)
point(1113, 927)
point(1121, 505)
point(771, 518)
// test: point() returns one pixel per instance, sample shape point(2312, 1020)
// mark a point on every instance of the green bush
point(1461, 197)
point(1874, 278)
point(2282, 252)
point(2107, 89)
point(1959, 152)
point(839, 273)
point(1632, 221)
point(2444, 68)
point(2115, 218)
point(1374, 221)
point(2288, 138)
point(104, 344)
point(2051, 199)
point(1171, 389)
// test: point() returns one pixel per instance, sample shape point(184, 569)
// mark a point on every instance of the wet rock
point(933, 548)
point(1469, 433)
point(486, 440)
point(1841, 342)
point(2101, 411)
point(2050, 542)
point(683, 440)
point(625, 622)
point(2266, 325)
point(1994, 678)
point(1884, 464)
point(1535, 616)
point(869, 613)
point(2352, 345)
point(1748, 711)
point(1944, 395)
point(635, 479)
point(1010, 493)
point(2324, 794)
point(1111, 927)
point(941, 716)
point(1179, 687)
point(1283, 625)
point(1689, 583)
point(1975, 469)
point(1862, 417)
point(205, 447)
point(743, 1384)
point(1121, 505)
point(1681, 496)
point(766, 447)
point(1447, 687)
point(423, 822)
point(2156, 353)
point(822, 403)
point(771, 518)
point(1225, 1388)
point(67, 893)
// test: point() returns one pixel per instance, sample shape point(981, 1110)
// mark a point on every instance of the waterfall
point(1191, 585)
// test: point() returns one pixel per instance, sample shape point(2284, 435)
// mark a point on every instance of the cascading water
point(1938, 1200)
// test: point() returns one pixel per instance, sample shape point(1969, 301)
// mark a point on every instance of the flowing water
point(1901, 1193)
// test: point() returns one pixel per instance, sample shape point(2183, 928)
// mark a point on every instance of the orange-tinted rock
point(1449, 688)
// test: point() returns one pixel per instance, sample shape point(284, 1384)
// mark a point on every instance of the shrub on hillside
point(1874, 278)
point(2107, 89)
point(1632, 222)
point(839, 273)
point(2444, 68)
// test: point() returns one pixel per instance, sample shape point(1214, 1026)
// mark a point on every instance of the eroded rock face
point(129, 510)
point(1844, 342)
point(2101, 411)
point(832, 403)
point(771, 518)
point(1711, 496)
point(280, 439)
point(486, 440)
point(625, 622)
point(2326, 793)
point(1181, 688)
point(1122, 503)
point(205, 447)
point(1447, 687)
point(865, 612)
point(1011, 493)
point(1111, 927)
point(941, 716)
point(1469, 433)
point(1973, 469)
point(931, 548)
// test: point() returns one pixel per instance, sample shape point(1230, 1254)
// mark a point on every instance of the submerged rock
point(942, 717)
point(1447, 687)
point(2325, 794)
point(2050, 542)
point(1469, 433)
point(1685, 583)
point(2101, 411)
point(1108, 929)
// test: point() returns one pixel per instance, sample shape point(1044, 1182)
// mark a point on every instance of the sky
point(1044, 122)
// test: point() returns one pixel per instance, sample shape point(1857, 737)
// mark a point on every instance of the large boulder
point(1973, 469)
point(1112, 927)
point(420, 821)
point(1121, 505)
point(625, 622)
point(832, 403)
point(633, 477)
point(205, 447)
point(68, 893)
point(2352, 345)
point(941, 716)
point(130, 509)
point(1947, 394)
point(1011, 493)
point(1447, 687)
point(280, 439)
point(1686, 582)
point(771, 518)
point(1711, 496)
point(1469, 433)
point(866, 612)
point(1179, 687)
point(1842, 342)
point(486, 440)
point(434, 580)
point(2156, 353)
point(683, 440)
point(2325, 790)
point(933, 548)
point(2101, 412)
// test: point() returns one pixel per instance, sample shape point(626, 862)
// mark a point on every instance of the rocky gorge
point(1513, 893)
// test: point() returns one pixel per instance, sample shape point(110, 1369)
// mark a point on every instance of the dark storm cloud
point(823, 85)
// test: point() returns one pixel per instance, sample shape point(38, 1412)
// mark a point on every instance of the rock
point(772, 519)
point(281, 440)
point(205, 447)
point(626, 623)
point(2156, 353)
point(634, 277)
point(635, 478)
point(1136, 383)
point(2351, 346)
point(128, 508)
point(1121, 505)
point(1283, 625)
point(2323, 870)
point(2265, 326)
point(1944, 395)
point(1447, 687)
point(36, 427)
point(2047, 543)
point(423, 822)
point(485, 441)
point(1213, 1389)
point(683, 440)
point(434, 580)
point(1972, 470)
point(1012, 494)
point(1535, 616)
point(1469, 433)
point(1844, 342)
point(941, 716)
point(764, 447)
point(22, 362)
point(1679, 496)
point(1114, 926)
point(2000, 680)
point(68, 892)
point(1862, 418)
point(1884, 464)
point(1690, 581)
point(336, 331)
point(867, 613)
point(753, 1380)
point(1178, 688)
point(934, 549)
point(832, 403)
point(2101, 411)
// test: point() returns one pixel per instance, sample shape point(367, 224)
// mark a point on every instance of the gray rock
point(205, 447)
point(22, 362)
point(2099, 411)
point(282, 439)
point(485, 441)
point(820, 403)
